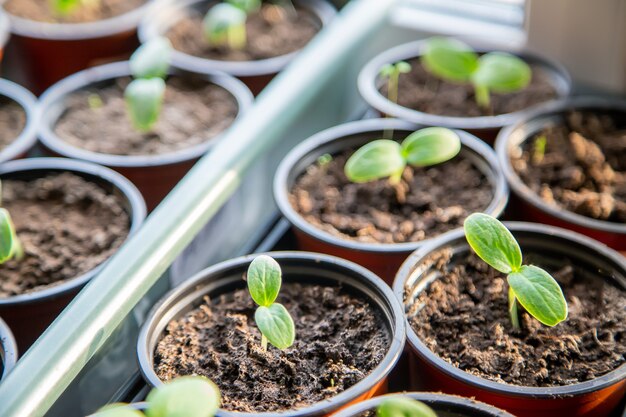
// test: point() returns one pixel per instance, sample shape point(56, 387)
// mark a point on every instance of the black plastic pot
point(256, 74)
point(485, 127)
point(8, 350)
point(526, 203)
point(550, 246)
point(297, 267)
point(30, 314)
point(443, 405)
point(154, 175)
point(383, 259)
point(27, 138)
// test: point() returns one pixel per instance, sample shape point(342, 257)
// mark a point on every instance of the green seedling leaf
point(225, 25)
point(276, 325)
point(389, 70)
point(502, 72)
point(144, 98)
point(493, 242)
point(187, 396)
point(264, 280)
point(378, 159)
point(539, 294)
point(431, 146)
point(404, 407)
point(152, 59)
point(248, 6)
point(450, 59)
point(64, 7)
point(117, 410)
point(7, 236)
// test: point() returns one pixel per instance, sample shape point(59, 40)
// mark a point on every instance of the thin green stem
point(481, 93)
point(263, 342)
point(237, 37)
point(513, 313)
point(396, 177)
point(392, 95)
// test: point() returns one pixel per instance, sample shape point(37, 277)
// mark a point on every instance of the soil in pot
point(582, 168)
point(194, 111)
point(420, 90)
point(428, 202)
point(271, 32)
point(67, 227)
point(12, 121)
point(340, 338)
point(41, 10)
point(463, 317)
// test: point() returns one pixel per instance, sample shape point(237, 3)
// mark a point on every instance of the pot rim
point(137, 214)
point(395, 315)
point(337, 133)
point(368, 89)
point(580, 388)
point(516, 133)
point(112, 26)
point(8, 349)
point(54, 96)
point(150, 28)
point(469, 404)
point(28, 102)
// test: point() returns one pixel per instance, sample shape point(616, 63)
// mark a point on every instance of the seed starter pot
point(27, 138)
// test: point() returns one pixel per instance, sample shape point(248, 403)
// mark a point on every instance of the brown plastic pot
point(30, 314)
point(382, 259)
point(485, 127)
point(552, 246)
point(311, 268)
point(154, 175)
point(255, 74)
point(526, 203)
point(49, 52)
point(27, 138)
point(8, 350)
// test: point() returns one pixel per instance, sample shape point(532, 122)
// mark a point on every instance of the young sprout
point(387, 158)
point(10, 245)
point(248, 6)
point(539, 149)
point(404, 407)
point(392, 72)
point(454, 61)
point(144, 95)
point(187, 396)
point(529, 285)
point(273, 319)
point(225, 26)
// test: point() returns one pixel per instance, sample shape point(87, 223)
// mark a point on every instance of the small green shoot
point(10, 245)
point(324, 159)
point(531, 286)
point(95, 101)
point(64, 7)
point(273, 319)
point(539, 149)
point(387, 158)
point(391, 72)
point(248, 6)
point(454, 61)
point(404, 407)
point(225, 26)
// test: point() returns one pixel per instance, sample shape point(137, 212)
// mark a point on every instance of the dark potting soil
point(463, 317)
point(271, 32)
point(194, 111)
point(420, 90)
point(67, 227)
point(583, 167)
point(90, 11)
point(340, 339)
point(436, 199)
point(12, 121)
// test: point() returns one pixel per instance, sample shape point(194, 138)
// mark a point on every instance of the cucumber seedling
point(273, 319)
point(225, 23)
point(383, 158)
point(391, 73)
point(532, 287)
point(187, 396)
point(65, 8)
point(454, 61)
point(10, 245)
point(403, 407)
point(144, 95)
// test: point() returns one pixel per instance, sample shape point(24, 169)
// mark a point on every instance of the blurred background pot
point(25, 141)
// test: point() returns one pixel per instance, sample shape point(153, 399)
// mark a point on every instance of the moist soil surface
point(428, 201)
point(463, 318)
point(67, 227)
point(90, 11)
point(194, 111)
point(420, 90)
point(582, 168)
point(271, 32)
point(12, 121)
point(340, 339)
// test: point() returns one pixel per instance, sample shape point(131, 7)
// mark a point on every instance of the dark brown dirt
point(90, 11)
point(340, 339)
point(269, 35)
point(437, 199)
point(194, 111)
point(12, 121)
point(583, 168)
point(67, 227)
point(422, 91)
point(463, 318)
